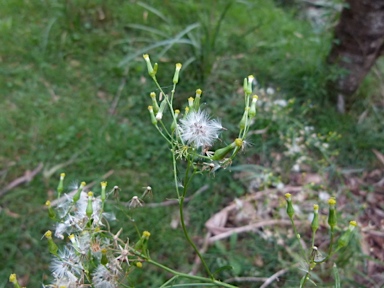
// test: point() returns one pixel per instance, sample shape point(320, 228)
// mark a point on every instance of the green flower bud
point(186, 111)
point(344, 239)
point(220, 153)
point(245, 86)
point(52, 247)
point(176, 75)
point(60, 187)
point(244, 120)
point(51, 212)
point(290, 210)
point(153, 118)
point(315, 221)
point(103, 187)
point(252, 110)
point(160, 113)
point(151, 71)
point(76, 197)
point(142, 244)
point(196, 104)
point(155, 67)
point(104, 259)
point(174, 123)
point(250, 81)
point(190, 102)
point(332, 219)
point(154, 102)
point(89, 209)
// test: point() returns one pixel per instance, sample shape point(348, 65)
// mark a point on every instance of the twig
point(72, 193)
point(274, 277)
point(54, 96)
point(246, 279)
point(28, 176)
point(247, 228)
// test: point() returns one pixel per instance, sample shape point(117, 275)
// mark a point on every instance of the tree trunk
point(359, 39)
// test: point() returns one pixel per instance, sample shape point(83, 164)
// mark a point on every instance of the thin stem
point(297, 235)
point(184, 275)
point(181, 202)
point(313, 239)
point(169, 281)
point(175, 171)
point(305, 279)
point(187, 180)
point(331, 242)
point(162, 134)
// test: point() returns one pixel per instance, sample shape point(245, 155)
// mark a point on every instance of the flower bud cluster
point(193, 134)
point(315, 257)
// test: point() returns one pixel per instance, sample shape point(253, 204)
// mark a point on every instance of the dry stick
point(246, 279)
point(247, 228)
point(28, 176)
point(274, 277)
point(54, 96)
point(72, 193)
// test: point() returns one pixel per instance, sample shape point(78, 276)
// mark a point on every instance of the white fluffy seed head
point(198, 129)
point(104, 278)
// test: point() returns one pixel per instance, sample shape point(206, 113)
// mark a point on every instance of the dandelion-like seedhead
point(198, 130)
point(93, 256)
point(104, 278)
point(66, 267)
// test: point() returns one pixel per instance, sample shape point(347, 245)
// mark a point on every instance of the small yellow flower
point(332, 201)
point(146, 234)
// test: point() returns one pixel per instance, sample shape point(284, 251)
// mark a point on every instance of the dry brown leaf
point(379, 156)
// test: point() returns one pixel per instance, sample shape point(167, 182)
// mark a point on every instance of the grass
point(66, 64)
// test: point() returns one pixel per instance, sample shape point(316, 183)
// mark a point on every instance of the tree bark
point(359, 41)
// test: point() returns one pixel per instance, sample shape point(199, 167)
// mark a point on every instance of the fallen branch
point(274, 277)
point(28, 176)
point(246, 279)
point(247, 228)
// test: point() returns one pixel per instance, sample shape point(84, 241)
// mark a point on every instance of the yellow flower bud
point(315, 221)
point(332, 219)
point(155, 105)
point(290, 210)
point(196, 104)
point(153, 118)
point(177, 72)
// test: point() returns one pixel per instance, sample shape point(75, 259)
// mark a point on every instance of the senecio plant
point(93, 256)
point(313, 257)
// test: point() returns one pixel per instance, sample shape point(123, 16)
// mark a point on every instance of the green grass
point(62, 65)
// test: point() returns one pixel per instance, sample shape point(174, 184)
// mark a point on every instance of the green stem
point(331, 243)
point(305, 279)
point(181, 202)
point(162, 134)
point(184, 275)
point(175, 171)
point(187, 180)
point(169, 281)
point(298, 239)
